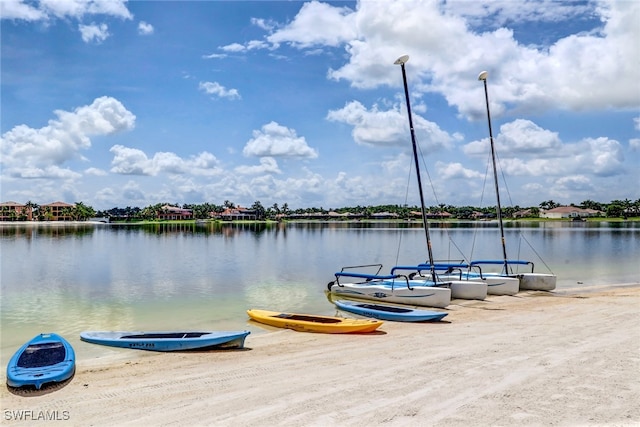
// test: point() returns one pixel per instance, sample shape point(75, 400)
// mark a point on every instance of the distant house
point(384, 215)
point(238, 214)
point(431, 215)
point(174, 213)
point(569, 212)
point(523, 214)
point(346, 215)
point(439, 215)
point(481, 215)
point(13, 211)
point(57, 211)
point(307, 216)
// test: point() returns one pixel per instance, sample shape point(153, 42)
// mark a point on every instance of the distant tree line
point(81, 212)
point(614, 209)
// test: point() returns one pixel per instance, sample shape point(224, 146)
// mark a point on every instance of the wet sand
point(567, 358)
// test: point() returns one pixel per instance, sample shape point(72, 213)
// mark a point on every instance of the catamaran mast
point(483, 76)
point(401, 61)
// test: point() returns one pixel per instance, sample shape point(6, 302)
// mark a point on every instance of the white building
point(569, 212)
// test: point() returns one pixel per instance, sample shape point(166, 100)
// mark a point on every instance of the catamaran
point(496, 284)
point(526, 280)
point(425, 290)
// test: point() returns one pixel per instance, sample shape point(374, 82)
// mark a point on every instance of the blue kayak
point(47, 358)
point(389, 312)
point(167, 340)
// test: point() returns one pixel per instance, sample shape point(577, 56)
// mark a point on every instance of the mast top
point(402, 60)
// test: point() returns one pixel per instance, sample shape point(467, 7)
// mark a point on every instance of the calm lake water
point(75, 277)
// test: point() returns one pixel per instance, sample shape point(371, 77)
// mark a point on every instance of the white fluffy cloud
point(275, 140)
point(267, 165)
point(131, 161)
point(389, 127)
point(216, 89)
point(564, 186)
point(145, 29)
point(49, 9)
point(317, 24)
point(41, 152)
point(449, 171)
point(577, 72)
point(20, 10)
point(519, 138)
point(94, 32)
point(552, 157)
point(604, 156)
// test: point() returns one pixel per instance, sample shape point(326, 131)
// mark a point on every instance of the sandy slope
point(567, 359)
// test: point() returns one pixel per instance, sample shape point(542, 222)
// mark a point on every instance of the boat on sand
point(389, 288)
point(167, 340)
point(46, 358)
point(314, 323)
point(428, 290)
point(389, 312)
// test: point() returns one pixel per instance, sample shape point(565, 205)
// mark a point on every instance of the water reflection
point(276, 296)
point(81, 276)
point(53, 230)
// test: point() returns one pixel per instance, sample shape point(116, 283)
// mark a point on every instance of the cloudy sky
point(116, 103)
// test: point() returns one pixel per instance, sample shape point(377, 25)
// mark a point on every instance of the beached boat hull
point(167, 340)
point(502, 285)
point(314, 323)
point(468, 289)
point(396, 292)
point(496, 284)
point(47, 358)
point(389, 312)
point(461, 287)
point(528, 281)
point(537, 281)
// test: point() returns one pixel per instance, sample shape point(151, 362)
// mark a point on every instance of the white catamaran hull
point(464, 289)
point(468, 289)
point(396, 292)
point(502, 285)
point(495, 283)
point(537, 281)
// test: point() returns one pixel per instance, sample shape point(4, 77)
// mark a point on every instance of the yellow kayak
point(314, 323)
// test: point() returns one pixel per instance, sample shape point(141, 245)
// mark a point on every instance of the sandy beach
point(567, 358)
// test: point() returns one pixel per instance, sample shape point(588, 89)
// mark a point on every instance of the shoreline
point(570, 357)
point(330, 221)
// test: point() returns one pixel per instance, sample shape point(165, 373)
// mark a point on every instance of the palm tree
point(83, 212)
point(549, 204)
point(615, 209)
point(259, 210)
point(636, 207)
point(30, 208)
point(590, 204)
point(65, 213)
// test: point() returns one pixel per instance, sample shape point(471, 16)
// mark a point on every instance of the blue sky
point(117, 103)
